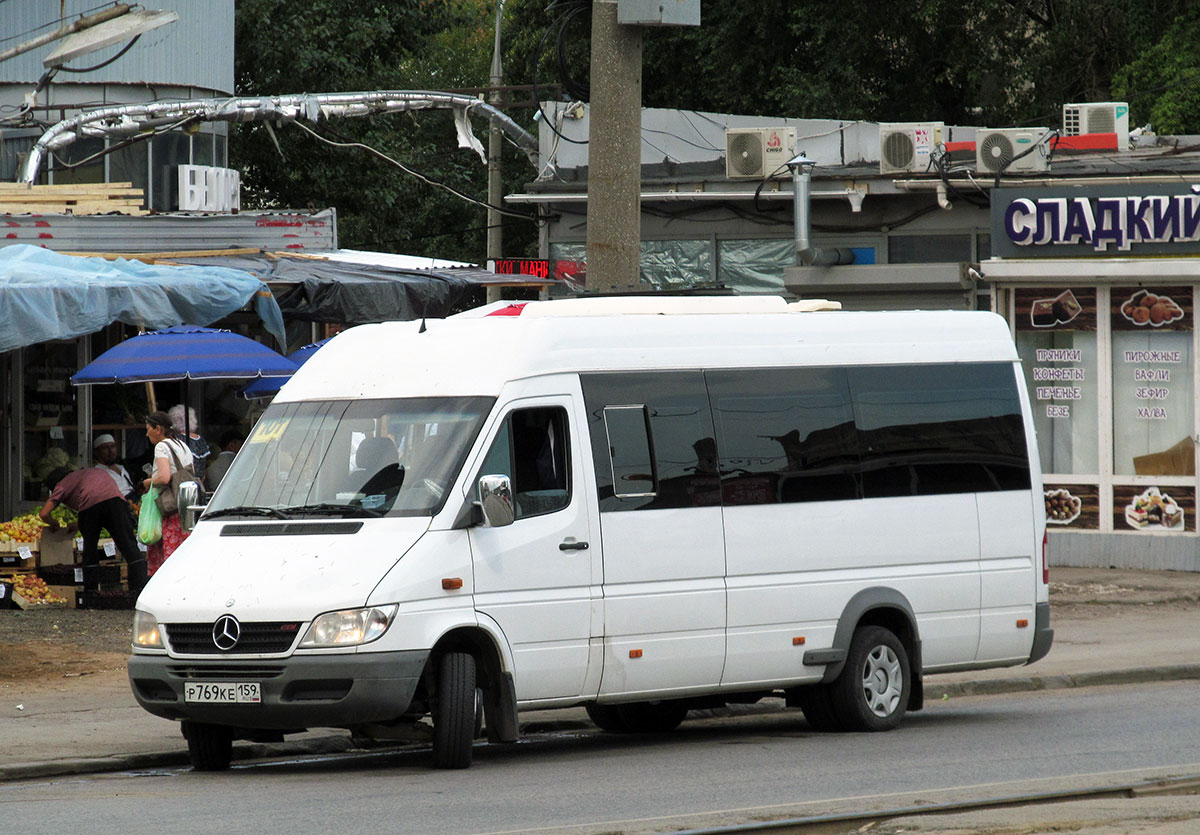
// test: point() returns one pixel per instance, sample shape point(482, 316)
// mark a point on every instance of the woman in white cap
point(105, 450)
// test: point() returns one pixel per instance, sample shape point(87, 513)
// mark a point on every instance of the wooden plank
point(63, 186)
point(63, 209)
point(164, 257)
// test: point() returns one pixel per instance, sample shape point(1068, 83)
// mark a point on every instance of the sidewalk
point(1111, 627)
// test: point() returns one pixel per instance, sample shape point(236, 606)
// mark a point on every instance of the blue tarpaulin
point(47, 295)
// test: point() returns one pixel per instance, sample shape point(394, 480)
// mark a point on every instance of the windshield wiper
point(247, 510)
point(332, 508)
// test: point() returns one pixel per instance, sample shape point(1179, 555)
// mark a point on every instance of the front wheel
point(210, 747)
point(871, 694)
point(454, 711)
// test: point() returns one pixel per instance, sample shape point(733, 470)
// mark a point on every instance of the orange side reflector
point(798, 641)
point(451, 583)
point(1022, 623)
point(635, 653)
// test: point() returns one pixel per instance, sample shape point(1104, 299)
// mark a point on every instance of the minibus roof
point(478, 355)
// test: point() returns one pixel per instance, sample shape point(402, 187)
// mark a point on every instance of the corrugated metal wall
point(195, 51)
point(272, 231)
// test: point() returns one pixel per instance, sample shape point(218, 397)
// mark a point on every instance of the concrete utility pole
point(614, 212)
point(495, 232)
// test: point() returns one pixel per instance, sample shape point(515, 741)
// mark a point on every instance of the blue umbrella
point(184, 352)
point(269, 386)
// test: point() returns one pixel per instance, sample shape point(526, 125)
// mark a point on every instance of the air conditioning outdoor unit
point(907, 146)
point(1098, 117)
point(758, 152)
point(999, 150)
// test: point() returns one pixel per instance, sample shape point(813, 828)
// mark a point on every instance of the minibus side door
point(534, 578)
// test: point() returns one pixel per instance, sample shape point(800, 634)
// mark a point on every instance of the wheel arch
point(886, 607)
point(494, 676)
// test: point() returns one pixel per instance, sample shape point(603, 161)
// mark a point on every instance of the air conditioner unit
point(907, 146)
point(758, 152)
point(1098, 117)
point(1000, 150)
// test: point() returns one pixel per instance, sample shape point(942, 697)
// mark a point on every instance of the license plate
point(222, 692)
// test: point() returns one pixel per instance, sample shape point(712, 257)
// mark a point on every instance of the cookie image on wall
point(1146, 308)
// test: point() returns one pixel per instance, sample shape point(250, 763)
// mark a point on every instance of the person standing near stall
point(93, 495)
point(170, 455)
point(105, 449)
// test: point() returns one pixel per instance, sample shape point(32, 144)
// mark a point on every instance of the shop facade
point(1100, 284)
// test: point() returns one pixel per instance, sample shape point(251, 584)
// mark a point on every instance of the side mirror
point(189, 505)
point(496, 501)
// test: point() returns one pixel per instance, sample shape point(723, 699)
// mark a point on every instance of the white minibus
point(640, 506)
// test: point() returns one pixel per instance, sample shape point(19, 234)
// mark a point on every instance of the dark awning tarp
point(317, 290)
point(47, 295)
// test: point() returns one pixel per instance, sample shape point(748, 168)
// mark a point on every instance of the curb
point(338, 744)
point(992, 687)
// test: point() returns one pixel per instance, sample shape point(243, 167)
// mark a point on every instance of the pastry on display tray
point(1154, 509)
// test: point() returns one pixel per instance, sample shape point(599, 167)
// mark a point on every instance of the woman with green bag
point(171, 455)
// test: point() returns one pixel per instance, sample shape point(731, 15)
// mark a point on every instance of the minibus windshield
point(350, 458)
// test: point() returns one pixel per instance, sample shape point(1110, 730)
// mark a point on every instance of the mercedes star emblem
point(225, 632)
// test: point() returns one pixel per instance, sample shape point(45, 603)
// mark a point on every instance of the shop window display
point(1153, 390)
point(1056, 339)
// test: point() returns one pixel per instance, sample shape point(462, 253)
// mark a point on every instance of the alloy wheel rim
point(882, 682)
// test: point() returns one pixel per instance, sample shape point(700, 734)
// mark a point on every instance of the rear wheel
point(652, 717)
point(607, 718)
point(454, 711)
point(871, 694)
point(210, 747)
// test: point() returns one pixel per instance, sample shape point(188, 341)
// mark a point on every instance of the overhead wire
point(414, 173)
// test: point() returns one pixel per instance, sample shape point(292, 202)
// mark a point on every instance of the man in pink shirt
point(93, 494)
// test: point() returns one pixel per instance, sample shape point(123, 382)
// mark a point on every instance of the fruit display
point(22, 529)
point(35, 591)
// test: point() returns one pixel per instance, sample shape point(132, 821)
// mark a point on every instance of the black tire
point(479, 734)
point(210, 747)
point(652, 717)
point(607, 718)
point(871, 694)
point(816, 701)
point(454, 711)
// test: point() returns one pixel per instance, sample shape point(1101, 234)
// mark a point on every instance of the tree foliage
point(991, 62)
point(1162, 86)
point(332, 46)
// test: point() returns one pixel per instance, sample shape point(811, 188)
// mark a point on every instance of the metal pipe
point(806, 254)
point(125, 120)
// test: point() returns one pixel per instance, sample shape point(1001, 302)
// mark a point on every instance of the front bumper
point(316, 691)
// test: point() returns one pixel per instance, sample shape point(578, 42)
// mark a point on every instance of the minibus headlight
point(349, 627)
point(146, 634)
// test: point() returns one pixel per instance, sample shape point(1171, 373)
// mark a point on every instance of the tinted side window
point(785, 435)
point(929, 429)
point(531, 449)
point(679, 443)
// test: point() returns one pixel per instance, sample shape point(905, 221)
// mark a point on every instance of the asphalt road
point(709, 772)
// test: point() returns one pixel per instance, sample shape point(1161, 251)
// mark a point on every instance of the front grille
point(197, 638)
point(291, 528)
point(255, 673)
